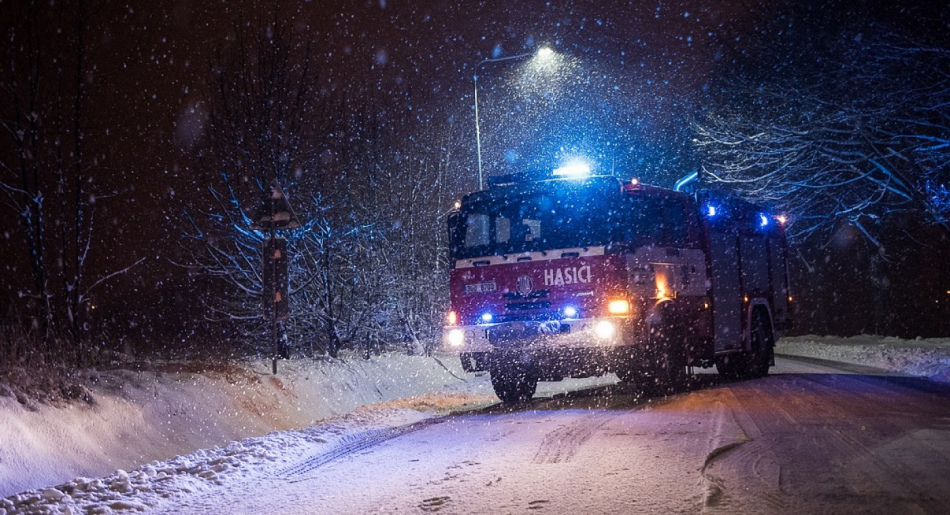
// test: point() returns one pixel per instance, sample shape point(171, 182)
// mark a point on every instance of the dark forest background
point(138, 142)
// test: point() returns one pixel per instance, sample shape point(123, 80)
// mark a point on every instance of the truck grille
point(522, 306)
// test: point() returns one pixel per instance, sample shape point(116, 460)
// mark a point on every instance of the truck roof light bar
point(573, 170)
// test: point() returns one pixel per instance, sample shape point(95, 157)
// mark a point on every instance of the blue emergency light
point(573, 170)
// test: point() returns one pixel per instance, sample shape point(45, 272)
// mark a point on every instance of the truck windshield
point(554, 220)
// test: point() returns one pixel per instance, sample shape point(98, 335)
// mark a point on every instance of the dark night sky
point(154, 61)
point(657, 60)
point(154, 67)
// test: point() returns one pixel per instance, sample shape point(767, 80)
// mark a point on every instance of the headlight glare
point(456, 338)
point(605, 329)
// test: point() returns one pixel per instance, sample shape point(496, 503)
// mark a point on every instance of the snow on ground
point(920, 357)
point(138, 417)
point(250, 423)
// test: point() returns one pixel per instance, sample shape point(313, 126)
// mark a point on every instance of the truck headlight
point(605, 329)
point(456, 338)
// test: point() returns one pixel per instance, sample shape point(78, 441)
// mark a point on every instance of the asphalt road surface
point(812, 437)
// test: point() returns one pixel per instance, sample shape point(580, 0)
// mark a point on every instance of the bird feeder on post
point(275, 215)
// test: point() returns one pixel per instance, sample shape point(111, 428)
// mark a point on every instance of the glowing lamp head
point(781, 219)
point(457, 204)
point(545, 53)
point(452, 318)
point(634, 182)
point(570, 312)
point(763, 220)
point(486, 317)
point(711, 210)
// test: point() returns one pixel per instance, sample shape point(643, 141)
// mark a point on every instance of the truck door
point(779, 272)
point(726, 289)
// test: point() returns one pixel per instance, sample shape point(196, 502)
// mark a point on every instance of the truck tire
point(513, 382)
point(763, 346)
point(756, 362)
point(667, 370)
point(732, 366)
point(627, 372)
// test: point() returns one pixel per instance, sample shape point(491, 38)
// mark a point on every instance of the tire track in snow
point(562, 443)
point(351, 445)
point(739, 459)
point(727, 435)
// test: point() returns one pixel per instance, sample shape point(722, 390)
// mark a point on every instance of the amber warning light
point(618, 307)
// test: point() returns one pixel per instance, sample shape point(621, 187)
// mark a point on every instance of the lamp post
point(542, 53)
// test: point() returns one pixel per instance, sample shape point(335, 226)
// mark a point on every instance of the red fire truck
point(581, 275)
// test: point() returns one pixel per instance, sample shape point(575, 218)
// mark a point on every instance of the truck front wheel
point(659, 366)
point(668, 369)
point(513, 382)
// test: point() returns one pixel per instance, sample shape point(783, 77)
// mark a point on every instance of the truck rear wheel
point(755, 363)
point(732, 366)
point(513, 382)
point(763, 347)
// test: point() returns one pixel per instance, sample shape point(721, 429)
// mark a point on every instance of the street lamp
point(543, 53)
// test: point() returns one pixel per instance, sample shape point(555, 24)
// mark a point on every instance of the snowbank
point(156, 486)
point(921, 357)
point(138, 417)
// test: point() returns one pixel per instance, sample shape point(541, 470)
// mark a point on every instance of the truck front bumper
point(594, 333)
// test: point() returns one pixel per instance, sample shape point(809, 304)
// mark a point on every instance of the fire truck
point(579, 275)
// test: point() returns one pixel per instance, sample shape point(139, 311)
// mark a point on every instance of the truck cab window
point(477, 230)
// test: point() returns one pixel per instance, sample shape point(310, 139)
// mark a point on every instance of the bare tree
point(328, 297)
point(268, 121)
point(858, 136)
point(47, 180)
point(263, 110)
point(27, 89)
point(404, 177)
point(369, 180)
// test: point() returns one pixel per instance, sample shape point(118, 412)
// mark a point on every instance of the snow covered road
point(813, 437)
point(810, 438)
